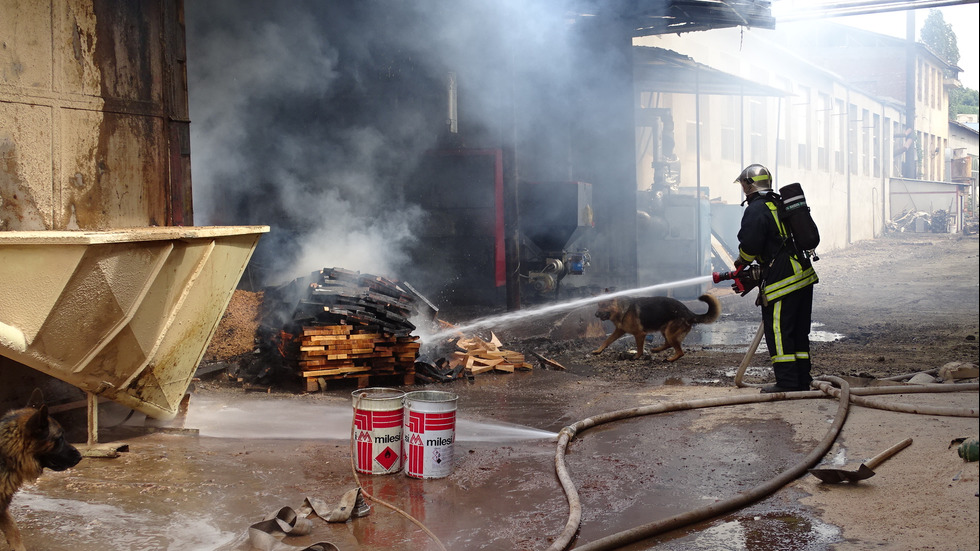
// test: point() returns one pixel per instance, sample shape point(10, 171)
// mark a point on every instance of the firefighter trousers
point(787, 329)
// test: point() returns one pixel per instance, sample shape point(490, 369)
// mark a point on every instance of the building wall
point(825, 134)
point(93, 115)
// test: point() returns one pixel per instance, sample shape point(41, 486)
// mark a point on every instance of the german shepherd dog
point(30, 441)
point(640, 316)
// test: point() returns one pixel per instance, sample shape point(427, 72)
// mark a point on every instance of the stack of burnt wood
point(340, 324)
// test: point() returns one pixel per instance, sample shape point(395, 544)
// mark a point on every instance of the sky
point(964, 19)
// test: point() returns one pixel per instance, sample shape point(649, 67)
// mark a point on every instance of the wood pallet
point(316, 383)
point(332, 352)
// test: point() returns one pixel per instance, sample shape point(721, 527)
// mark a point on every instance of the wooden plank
point(337, 371)
point(325, 339)
point(326, 330)
point(475, 370)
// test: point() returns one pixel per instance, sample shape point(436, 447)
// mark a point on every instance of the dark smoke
point(310, 116)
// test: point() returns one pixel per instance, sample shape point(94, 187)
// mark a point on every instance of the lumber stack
point(352, 325)
point(341, 351)
point(476, 356)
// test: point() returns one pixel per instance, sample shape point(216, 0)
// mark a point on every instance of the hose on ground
point(648, 530)
point(845, 396)
point(857, 398)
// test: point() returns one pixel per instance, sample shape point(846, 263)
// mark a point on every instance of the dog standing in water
point(639, 316)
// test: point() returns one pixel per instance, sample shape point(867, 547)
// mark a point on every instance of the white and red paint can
point(429, 433)
point(377, 437)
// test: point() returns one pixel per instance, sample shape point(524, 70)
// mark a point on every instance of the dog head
point(52, 450)
point(607, 308)
point(43, 438)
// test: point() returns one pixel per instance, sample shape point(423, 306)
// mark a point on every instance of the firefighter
point(786, 285)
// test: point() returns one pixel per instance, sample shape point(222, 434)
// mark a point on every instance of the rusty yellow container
point(125, 313)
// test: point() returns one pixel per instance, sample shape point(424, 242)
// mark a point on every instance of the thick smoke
point(310, 116)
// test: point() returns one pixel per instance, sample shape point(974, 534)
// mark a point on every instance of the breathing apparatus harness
point(799, 234)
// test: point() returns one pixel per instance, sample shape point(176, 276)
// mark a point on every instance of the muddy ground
point(897, 305)
point(901, 304)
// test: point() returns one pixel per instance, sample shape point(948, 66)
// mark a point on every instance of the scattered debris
point(920, 222)
point(954, 371)
point(922, 379)
point(110, 450)
point(547, 362)
point(438, 372)
point(478, 356)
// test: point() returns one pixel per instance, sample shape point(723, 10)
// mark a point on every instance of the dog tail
point(714, 310)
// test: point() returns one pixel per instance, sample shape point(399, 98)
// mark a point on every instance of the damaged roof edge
point(680, 16)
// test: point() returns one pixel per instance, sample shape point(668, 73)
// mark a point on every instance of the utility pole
point(908, 167)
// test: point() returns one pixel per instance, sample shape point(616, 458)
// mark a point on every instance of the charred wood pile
point(338, 324)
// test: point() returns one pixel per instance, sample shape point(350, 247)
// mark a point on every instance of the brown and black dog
point(30, 442)
point(639, 316)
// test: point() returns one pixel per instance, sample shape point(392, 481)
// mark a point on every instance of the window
point(852, 138)
point(823, 116)
point(801, 113)
point(876, 147)
point(839, 136)
point(729, 123)
point(865, 123)
point(757, 131)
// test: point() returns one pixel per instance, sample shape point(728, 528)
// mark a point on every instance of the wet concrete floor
point(254, 453)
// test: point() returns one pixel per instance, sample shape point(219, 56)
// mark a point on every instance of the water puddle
point(774, 530)
point(272, 418)
point(92, 523)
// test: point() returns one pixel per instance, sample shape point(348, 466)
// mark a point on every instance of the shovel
point(835, 475)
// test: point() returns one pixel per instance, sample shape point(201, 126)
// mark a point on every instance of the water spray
point(490, 321)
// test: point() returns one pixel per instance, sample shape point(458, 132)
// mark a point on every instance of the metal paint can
point(377, 439)
point(430, 433)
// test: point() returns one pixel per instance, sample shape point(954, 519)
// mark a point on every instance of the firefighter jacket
point(764, 238)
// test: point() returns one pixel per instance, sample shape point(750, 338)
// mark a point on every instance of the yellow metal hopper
point(125, 313)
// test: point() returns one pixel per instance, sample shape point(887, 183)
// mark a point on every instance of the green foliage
point(963, 101)
point(939, 36)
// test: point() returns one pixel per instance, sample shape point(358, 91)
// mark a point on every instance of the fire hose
point(826, 389)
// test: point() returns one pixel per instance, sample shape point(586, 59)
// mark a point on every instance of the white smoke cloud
point(310, 116)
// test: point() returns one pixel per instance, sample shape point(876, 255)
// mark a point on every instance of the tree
point(939, 36)
point(963, 101)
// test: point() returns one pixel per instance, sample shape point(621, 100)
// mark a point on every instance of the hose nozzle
point(746, 277)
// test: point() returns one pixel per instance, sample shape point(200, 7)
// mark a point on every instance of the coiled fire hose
point(825, 384)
